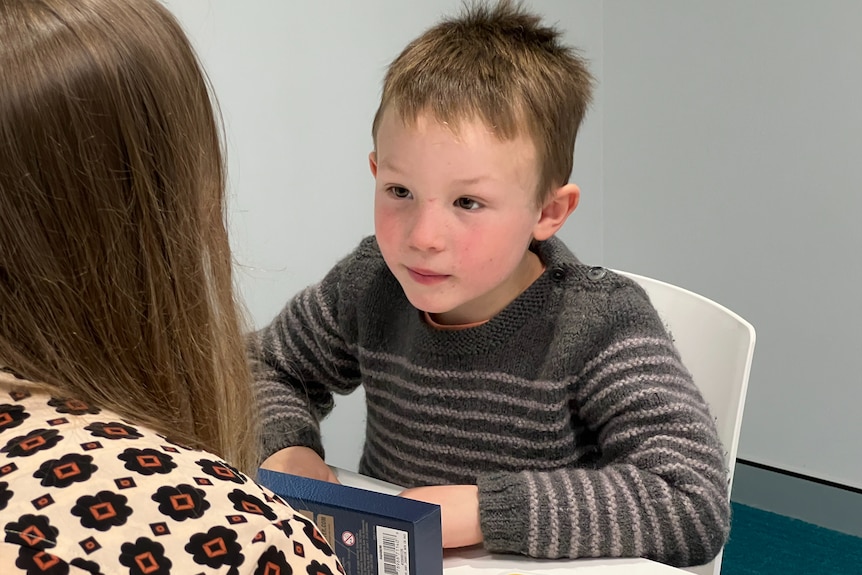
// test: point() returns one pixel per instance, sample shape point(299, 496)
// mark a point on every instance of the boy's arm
point(302, 357)
point(292, 398)
point(659, 486)
point(300, 460)
point(459, 511)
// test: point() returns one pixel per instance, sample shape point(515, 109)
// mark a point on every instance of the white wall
point(723, 153)
point(733, 167)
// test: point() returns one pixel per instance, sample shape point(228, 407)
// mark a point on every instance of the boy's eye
point(399, 192)
point(467, 204)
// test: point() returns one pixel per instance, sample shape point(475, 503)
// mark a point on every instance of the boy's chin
point(423, 305)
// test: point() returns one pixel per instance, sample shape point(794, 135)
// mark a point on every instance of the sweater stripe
point(534, 508)
point(574, 526)
point(613, 512)
point(634, 519)
point(552, 518)
point(485, 396)
point(419, 454)
point(383, 398)
point(399, 363)
point(630, 343)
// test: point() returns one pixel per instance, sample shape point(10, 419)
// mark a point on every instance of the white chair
point(717, 347)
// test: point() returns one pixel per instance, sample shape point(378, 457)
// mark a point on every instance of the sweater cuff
point(501, 512)
point(272, 441)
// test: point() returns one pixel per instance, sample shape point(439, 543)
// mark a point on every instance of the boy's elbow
point(700, 553)
point(710, 539)
point(712, 547)
point(695, 529)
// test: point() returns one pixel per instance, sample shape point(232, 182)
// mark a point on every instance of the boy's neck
point(535, 269)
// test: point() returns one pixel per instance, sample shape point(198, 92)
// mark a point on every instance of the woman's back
point(81, 487)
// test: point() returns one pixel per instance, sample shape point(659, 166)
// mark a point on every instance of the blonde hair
point(115, 269)
point(501, 65)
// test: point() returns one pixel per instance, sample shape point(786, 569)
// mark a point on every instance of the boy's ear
point(556, 210)
point(372, 163)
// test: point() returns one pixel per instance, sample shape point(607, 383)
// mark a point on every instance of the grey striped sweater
point(570, 409)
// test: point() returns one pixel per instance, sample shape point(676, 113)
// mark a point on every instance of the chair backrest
point(717, 347)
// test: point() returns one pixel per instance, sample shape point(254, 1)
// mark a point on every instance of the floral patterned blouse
point(83, 491)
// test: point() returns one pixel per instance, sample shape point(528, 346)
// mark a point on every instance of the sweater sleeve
point(306, 354)
point(658, 486)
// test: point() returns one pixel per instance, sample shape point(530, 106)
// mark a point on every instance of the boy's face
point(454, 215)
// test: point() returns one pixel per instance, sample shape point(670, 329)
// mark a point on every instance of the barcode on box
point(393, 551)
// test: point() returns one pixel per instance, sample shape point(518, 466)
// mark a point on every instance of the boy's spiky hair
point(499, 64)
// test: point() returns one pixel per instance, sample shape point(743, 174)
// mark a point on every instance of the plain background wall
point(723, 153)
point(733, 167)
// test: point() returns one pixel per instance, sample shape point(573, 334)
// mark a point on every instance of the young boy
point(539, 401)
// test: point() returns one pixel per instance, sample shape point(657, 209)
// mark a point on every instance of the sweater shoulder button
point(596, 273)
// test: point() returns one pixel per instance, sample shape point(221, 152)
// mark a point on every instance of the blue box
point(372, 533)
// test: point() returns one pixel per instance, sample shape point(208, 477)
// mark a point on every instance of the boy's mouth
point(426, 277)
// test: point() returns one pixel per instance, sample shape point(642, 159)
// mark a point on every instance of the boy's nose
point(426, 233)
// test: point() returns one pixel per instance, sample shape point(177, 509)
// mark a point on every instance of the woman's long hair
point(115, 269)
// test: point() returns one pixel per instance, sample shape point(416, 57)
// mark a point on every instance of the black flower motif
point(181, 502)
point(102, 511)
point(147, 461)
point(145, 557)
point(12, 415)
point(221, 470)
point(314, 535)
point(33, 531)
point(72, 406)
point(113, 430)
point(33, 442)
point(318, 568)
point(5, 495)
point(39, 562)
point(216, 548)
point(84, 565)
point(273, 561)
point(65, 471)
point(246, 503)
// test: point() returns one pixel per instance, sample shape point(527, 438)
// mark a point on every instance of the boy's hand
point(459, 510)
point(302, 461)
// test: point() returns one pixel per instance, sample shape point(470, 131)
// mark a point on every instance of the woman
point(124, 388)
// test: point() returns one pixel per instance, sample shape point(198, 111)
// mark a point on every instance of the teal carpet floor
point(763, 543)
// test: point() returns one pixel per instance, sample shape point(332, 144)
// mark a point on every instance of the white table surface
point(477, 561)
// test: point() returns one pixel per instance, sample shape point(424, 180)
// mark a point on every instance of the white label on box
point(393, 551)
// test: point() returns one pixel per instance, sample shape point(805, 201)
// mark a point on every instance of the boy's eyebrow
point(389, 166)
point(471, 181)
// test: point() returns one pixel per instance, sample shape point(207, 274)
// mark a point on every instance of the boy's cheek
point(387, 220)
point(387, 241)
